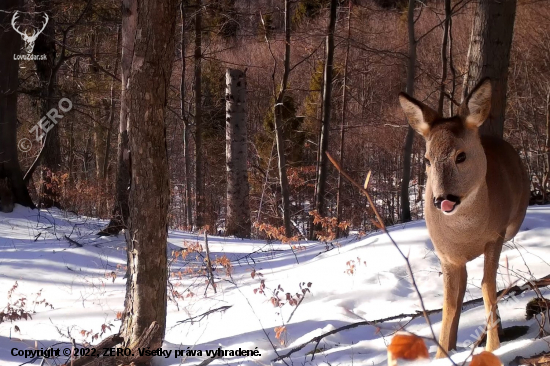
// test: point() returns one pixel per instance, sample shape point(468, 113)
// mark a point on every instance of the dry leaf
point(485, 359)
point(408, 347)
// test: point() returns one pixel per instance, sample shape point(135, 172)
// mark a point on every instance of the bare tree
point(327, 109)
point(186, 157)
point(489, 56)
point(238, 207)
point(199, 183)
point(343, 121)
point(407, 151)
point(121, 210)
point(145, 303)
point(278, 123)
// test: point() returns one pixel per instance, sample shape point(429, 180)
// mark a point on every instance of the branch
point(204, 315)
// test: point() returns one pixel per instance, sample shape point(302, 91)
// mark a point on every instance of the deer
point(477, 193)
point(29, 39)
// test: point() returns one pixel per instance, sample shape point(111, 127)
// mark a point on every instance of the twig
point(72, 241)
point(204, 315)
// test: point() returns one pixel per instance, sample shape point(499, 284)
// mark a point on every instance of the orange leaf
point(485, 359)
point(408, 347)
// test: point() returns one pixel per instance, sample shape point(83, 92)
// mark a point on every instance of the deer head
point(455, 159)
point(29, 38)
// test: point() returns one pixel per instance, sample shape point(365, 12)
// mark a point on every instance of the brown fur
point(493, 188)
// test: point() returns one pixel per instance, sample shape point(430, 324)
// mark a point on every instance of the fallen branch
point(542, 359)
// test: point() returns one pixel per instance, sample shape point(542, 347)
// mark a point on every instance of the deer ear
point(419, 115)
point(475, 109)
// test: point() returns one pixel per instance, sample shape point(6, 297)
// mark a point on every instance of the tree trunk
point(186, 157)
point(342, 128)
point(546, 179)
point(121, 211)
point(13, 189)
point(489, 56)
point(112, 105)
point(411, 65)
point(199, 186)
point(325, 124)
point(278, 124)
point(444, 50)
point(47, 74)
point(238, 205)
point(145, 302)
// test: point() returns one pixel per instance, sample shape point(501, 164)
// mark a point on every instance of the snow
point(78, 282)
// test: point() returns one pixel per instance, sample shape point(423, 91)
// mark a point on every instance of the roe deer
point(477, 192)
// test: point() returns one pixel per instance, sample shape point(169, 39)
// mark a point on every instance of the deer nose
point(437, 202)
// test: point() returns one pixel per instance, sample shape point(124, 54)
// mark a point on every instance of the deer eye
point(427, 162)
point(461, 158)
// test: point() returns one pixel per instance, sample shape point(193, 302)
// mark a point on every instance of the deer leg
point(454, 286)
point(489, 289)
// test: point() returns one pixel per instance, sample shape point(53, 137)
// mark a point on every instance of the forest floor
point(56, 259)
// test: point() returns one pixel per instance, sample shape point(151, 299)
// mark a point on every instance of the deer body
point(477, 193)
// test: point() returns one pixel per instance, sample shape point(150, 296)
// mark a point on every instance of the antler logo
point(34, 32)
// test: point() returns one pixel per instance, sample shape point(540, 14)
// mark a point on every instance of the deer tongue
point(447, 205)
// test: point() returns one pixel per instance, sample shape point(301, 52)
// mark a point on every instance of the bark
point(46, 71)
point(325, 124)
point(342, 125)
point(278, 124)
point(13, 188)
point(407, 151)
point(489, 56)
point(121, 210)
point(199, 185)
point(186, 157)
point(151, 59)
point(238, 190)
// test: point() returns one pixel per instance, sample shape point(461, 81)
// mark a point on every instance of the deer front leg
point(489, 289)
point(454, 287)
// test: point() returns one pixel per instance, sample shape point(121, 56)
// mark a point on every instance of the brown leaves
point(408, 347)
point(280, 334)
point(485, 359)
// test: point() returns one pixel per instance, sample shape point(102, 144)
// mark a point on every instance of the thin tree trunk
point(407, 151)
point(238, 191)
point(444, 50)
point(111, 109)
point(47, 74)
point(199, 184)
point(343, 122)
point(121, 211)
point(278, 122)
point(325, 124)
point(489, 55)
point(145, 302)
point(546, 180)
point(14, 189)
point(186, 157)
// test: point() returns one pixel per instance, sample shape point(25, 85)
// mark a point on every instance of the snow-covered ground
point(356, 280)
